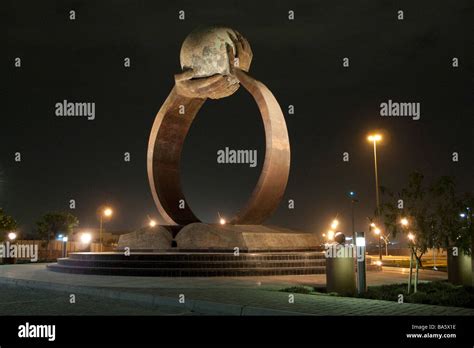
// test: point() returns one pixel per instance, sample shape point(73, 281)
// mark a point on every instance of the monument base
point(203, 250)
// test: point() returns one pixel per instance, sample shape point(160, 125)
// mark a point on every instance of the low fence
point(52, 250)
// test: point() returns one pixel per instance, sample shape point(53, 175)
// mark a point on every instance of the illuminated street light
point(334, 224)
point(222, 221)
point(462, 215)
point(85, 238)
point(378, 233)
point(411, 237)
point(375, 138)
point(106, 212)
point(12, 236)
point(404, 222)
point(152, 223)
point(330, 235)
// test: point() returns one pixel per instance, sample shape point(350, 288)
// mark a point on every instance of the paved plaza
point(217, 295)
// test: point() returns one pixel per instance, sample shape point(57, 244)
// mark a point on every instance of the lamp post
point(411, 238)
point(374, 138)
point(65, 239)
point(378, 233)
point(352, 195)
point(106, 212)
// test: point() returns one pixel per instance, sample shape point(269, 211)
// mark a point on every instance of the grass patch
point(299, 290)
point(440, 293)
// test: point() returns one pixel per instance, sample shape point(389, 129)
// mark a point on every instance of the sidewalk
point(227, 295)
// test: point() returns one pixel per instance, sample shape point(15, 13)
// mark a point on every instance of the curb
point(198, 306)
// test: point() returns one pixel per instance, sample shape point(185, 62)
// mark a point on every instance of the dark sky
point(300, 61)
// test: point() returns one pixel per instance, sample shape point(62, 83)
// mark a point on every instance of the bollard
point(360, 255)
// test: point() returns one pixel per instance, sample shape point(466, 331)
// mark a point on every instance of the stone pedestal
point(214, 238)
point(156, 238)
point(248, 238)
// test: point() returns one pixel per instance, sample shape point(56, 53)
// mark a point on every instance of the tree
point(432, 211)
point(54, 223)
point(7, 222)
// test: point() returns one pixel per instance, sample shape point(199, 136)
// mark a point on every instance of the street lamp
point(354, 200)
point(85, 238)
point(404, 222)
point(334, 224)
point(374, 138)
point(106, 212)
point(411, 238)
point(12, 236)
point(378, 232)
point(152, 223)
point(330, 235)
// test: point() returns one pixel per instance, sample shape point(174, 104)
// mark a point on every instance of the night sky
point(300, 61)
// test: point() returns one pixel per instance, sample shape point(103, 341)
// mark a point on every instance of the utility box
point(340, 269)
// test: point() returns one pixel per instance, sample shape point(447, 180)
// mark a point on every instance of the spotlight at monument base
point(222, 221)
point(12, 236)
point(86, 238)
point(152, 223)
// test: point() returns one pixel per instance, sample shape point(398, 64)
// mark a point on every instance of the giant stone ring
point(206, 53)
